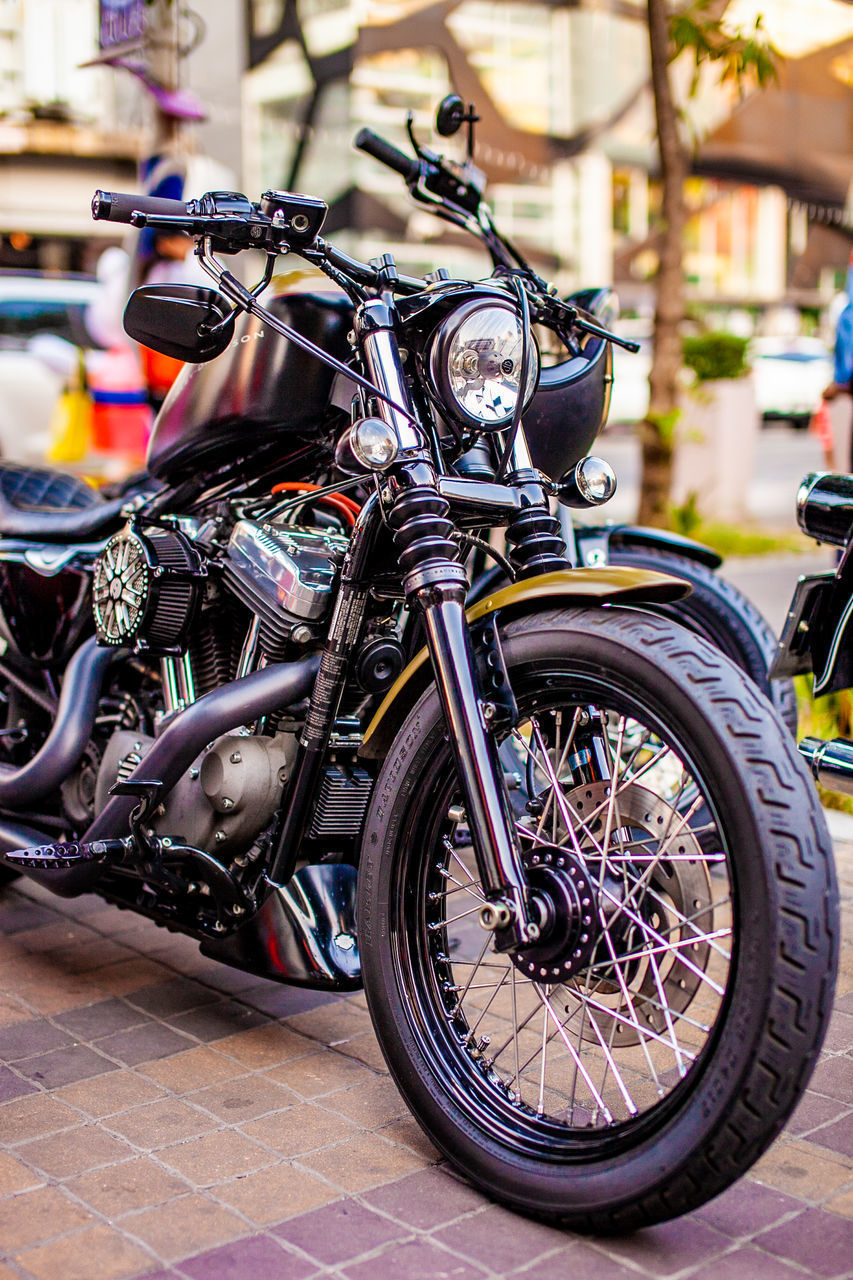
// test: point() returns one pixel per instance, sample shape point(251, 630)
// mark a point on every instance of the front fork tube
point(488, 810)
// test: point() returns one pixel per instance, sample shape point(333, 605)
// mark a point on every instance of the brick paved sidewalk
point(163, 1116)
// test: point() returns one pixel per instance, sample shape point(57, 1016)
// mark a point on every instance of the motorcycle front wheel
point(719, 612)
point(643, 1057)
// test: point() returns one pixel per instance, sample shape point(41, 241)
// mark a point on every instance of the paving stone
point(94, 1021)
point(57, 994)
point(12, 1011)
point(216, 1156)
point(340, 1232)
point(159, 1124)
point(34, 1117)
point(362, 1162)
point(745, 1208)
point(193, 1069)
point(842, 1204)
point(25, 1039)
point(134, 1184)
point(840, 1034)
point(129, 975)
point(279, 1001)
point(494, 1233)
point(578, 1259)
point(182, 1228)
point(321, 1073)
point(61, 932)
point(15, 1176)
point(94, 955)
point(371, 1104)
point(834, 1077)
point(253, 1259)
point(301, 1128)
point(333, 1024)
point(218, 1021)
point(408, 1132)
point(144, 1044)
point(365, 1048)
point(244, 1098)
point(74, 1151)
point(12, 1086)
point(747, 1263)
point(101, 1253)
point(165, 999)
point(668, 1247)
point(815, 1239)
point(267, 1196)
point(836, 1137)
point(19, 915)
point(64, 1066)
point(426, 1200)
point(109, 1094)
point(265, 1046)
point(814, 1110)
point(417, 1260)
point(802, 1169)
point(36, 1216)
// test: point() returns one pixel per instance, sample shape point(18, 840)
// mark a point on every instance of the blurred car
point(790, 375)
point(33, 307)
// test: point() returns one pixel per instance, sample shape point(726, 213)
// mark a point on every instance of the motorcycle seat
point(43, 504)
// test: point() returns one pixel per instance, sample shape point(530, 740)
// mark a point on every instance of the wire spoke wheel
point(591, 1075)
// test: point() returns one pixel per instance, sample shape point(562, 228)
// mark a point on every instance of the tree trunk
point(657, 431)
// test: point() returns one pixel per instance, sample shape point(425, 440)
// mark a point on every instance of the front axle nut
point(495, 916)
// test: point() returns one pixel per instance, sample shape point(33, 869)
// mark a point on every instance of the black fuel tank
point(261, 387)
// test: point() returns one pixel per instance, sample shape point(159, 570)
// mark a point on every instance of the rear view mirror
point(185, 321)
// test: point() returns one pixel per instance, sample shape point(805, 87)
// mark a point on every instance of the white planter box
point(716, 441)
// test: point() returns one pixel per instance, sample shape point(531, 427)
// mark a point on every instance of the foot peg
point(61, 857)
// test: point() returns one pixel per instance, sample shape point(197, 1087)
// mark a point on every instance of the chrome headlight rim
point(441, 343)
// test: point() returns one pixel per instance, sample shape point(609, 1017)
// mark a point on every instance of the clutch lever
point(588, 326)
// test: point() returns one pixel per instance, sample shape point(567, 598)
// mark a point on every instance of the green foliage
point(742, 58)
point(664, 424)
point(733, 539)
point(716, 355)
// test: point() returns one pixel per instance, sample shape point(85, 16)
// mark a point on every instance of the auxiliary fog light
point(374, 443)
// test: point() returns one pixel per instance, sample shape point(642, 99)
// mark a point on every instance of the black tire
point(763, 1007)
point(721, 613)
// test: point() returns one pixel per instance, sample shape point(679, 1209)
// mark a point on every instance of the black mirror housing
point(184, 321)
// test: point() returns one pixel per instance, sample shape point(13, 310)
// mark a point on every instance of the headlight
point(475, 364)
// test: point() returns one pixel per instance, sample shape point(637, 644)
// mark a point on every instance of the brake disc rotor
point(655, 902)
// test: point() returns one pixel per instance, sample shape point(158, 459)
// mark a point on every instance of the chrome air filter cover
point(145, 590)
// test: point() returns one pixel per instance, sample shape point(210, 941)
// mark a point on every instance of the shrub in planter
point(716, 355)
point(718, 428)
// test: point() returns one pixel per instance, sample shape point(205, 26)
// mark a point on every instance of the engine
point(286, 577)
point(223, 801)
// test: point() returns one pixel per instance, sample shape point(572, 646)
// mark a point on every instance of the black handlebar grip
point(117, 206)
point(386, 153)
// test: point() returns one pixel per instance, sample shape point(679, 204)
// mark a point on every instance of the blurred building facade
point(566, 138)
point(566, 134)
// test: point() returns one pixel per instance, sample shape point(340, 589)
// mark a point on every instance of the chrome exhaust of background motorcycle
point(831, 762)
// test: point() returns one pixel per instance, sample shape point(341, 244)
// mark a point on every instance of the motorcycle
point(815, 637)
point(599, 975)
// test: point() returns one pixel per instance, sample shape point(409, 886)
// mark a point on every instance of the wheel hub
point(565, 898)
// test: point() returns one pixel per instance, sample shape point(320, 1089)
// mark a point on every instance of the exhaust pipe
point(831, 763)
point(188, 733)
point(72, 729)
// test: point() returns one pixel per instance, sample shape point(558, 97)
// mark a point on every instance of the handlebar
point(117, 206)
point(386, 153)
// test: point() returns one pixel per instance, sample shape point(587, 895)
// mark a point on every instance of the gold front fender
point(607, 585)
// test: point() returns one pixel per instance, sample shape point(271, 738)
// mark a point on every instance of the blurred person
point(842, 381)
